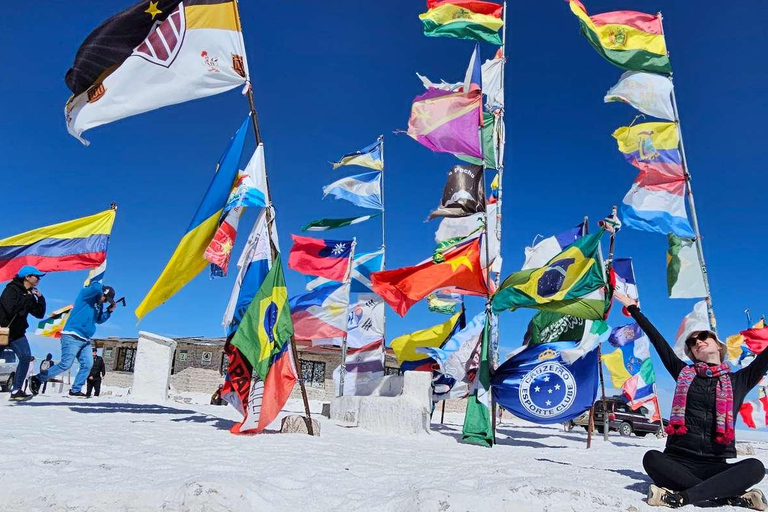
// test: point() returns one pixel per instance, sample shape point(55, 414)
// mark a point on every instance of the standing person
point(19, 299)
point(76, 336)
point(46, 364)
point(701, 435)
point(30, 372)
point(98, 370)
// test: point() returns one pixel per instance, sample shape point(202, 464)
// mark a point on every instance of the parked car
point(621, 419)
point(7, 369)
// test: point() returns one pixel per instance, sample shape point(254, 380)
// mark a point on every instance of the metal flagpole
point(608, 265)
point(347, 280)
point(591, 423)
point(383, 246)
point(270, 226)
point(691, 204)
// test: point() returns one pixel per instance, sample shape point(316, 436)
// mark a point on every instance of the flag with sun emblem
point(154, 54)
point(571, 283)
point(321, 314)
point(261, 373)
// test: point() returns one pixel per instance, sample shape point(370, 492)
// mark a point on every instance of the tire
point(641, 434)
point(625, 429)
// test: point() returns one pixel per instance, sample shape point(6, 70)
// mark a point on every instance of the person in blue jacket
point(76, 335)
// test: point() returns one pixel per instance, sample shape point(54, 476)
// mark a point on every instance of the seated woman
point(693, 467)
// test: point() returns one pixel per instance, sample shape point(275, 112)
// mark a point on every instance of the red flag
point(756, 339)
point(754, 413)
point(323, 258)
point(403, 287)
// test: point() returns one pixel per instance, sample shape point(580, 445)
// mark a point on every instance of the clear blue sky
point(331, 76)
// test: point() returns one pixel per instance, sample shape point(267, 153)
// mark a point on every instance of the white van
point(8, 364)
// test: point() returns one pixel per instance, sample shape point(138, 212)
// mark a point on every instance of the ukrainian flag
point(188, 260)
point(571, 283)
point(408, 346)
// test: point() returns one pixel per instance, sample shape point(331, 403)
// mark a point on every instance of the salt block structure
point(152, 374)
point(400, 405)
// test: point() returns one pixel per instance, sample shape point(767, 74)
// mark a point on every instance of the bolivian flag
point(463, 19)
point(188, 259)
point(628, 39)
point(572, 283)
point(154, 54)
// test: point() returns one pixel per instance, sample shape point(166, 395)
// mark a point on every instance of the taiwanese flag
point(756, 339)
point(323, 258)
point(403, 287)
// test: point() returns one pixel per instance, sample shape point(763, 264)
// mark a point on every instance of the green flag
point(571, 283)
point(326, 224)
point(477, 427)
point(266, 325)
point(489, 145)
point(549, 326)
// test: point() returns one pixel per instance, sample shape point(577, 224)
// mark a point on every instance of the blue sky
point(331, 76)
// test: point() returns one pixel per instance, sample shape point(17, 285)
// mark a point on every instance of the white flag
point(493, 87)
point(649, 93)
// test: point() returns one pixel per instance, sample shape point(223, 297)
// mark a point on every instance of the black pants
point(699, 481)
point(93, 385)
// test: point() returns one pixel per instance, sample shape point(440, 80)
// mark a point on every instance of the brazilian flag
point(571, 283)
point(267, 325)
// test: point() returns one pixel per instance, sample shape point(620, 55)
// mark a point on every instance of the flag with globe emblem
point(538, 386)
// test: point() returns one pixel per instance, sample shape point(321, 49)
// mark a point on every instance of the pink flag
point(448, 122)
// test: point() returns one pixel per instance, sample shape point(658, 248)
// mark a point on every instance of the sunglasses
point(702, 336)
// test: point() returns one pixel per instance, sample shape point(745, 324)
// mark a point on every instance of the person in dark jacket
point(701, 435)
point(19, 299)
point(87, 311)
point(47, 363)
point(98, 370)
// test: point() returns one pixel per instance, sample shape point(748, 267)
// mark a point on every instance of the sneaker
point(19, 396)
point(79, 394)
point(754, 499)
point(663, 497)
point(34, 384)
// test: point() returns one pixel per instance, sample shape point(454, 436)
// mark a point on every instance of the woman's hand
point(625, 300)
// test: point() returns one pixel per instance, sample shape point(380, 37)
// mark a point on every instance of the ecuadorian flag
point(73, 245)
point(571, 283)
point(188, 260)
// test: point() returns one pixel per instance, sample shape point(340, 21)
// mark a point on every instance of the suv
point(7, 369)
point(621, 418)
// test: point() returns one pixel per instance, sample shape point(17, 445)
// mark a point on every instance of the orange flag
point(403, 287)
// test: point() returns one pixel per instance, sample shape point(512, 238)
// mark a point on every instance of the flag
point(463, 194)
point(451, 228)
point(463, 19)
point(219, 251)
point(364, 370)
point(251, 186)
point(623, 279)
point(458, 366)
point(571, 283)
point(253, 266)
point(754, 413)
point(364, 265)
point(696, 320)
point(477, 428)
point(96, 274)
point(648, 92)
point(595, 332)
point(365, 321)
point(187, 260)
point(370, 156)
point(326, 224)
point(321, 314)
point(735, 344)
point(641, 387)
point(362, 190)
point(540, 253)
point(155, 54)
point(628, 39)
point(51, 327)
point(444, 302)
point(549, 326)
point(756, 339)
point(403, 287)
point(454, 231)
point(448, 122)
point(261, 371)
point(685, 279)
point(652, 147)
point(469, 334)
point(536, 385)
point(407, 346)
point(633, 350)
point(73, 245)
point(325, 258)
point(493, 85)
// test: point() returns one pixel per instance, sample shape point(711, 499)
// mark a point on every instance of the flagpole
point(499, 143)
point(383, 240)
point(270, 226)
point(347, 280)
point(608, 265)
point(691, 203)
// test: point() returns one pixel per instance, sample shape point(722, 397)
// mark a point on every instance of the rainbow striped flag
point(51, 327)
point(463, 19)
point(628, 39)
point(73, 245)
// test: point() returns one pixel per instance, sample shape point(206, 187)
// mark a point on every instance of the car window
point(644, 411)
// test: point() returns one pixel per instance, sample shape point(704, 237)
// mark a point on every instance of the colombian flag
point(188, 260)
point(628, 39)
point(571, 283)
point(73, 245)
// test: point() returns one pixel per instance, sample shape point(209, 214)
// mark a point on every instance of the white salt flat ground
point(114, 454)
